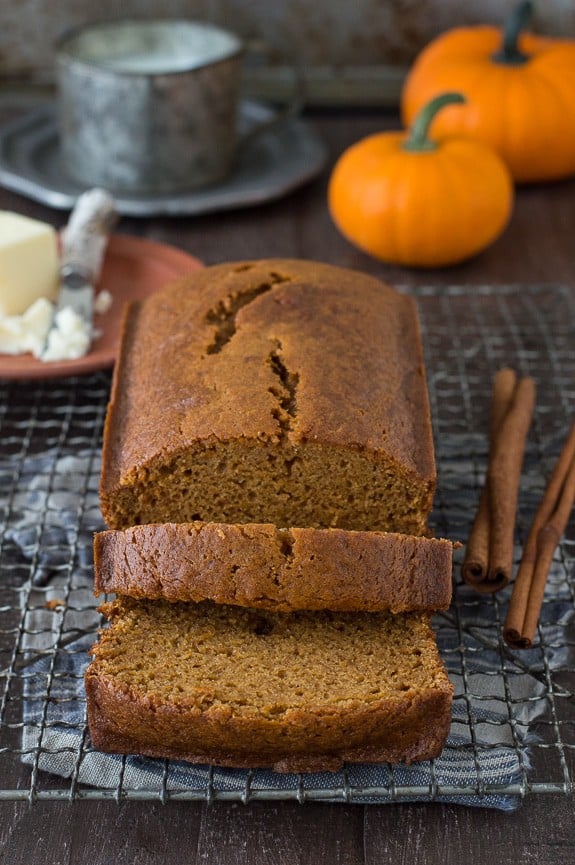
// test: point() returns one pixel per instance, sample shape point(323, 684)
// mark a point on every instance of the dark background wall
point(349, 50)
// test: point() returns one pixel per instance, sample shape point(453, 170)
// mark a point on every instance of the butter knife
point(84, 241)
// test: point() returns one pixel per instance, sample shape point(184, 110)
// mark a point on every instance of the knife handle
point(85, 236)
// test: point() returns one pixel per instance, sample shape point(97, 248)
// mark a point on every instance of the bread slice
point(233, 686)
point(259, 565)
point(280, 391)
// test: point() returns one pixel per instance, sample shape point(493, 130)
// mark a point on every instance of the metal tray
point(284, 154)
point(513, 731)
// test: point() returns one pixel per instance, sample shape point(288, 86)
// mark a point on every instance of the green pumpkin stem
point(509, 52)
point(417, 138)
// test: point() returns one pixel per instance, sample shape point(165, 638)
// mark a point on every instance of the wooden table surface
point(538, 246)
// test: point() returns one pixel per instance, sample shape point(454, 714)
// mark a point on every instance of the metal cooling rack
point(519, 705)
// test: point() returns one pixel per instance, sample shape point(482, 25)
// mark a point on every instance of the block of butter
point(29, 260)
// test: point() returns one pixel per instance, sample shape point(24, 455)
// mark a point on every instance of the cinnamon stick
point(476, 563)
point(489, 556)
point(544, 534)
point(503, 474)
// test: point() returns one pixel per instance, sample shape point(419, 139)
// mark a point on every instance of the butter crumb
point(27, 332)
point(69, 338)
point(102, 302)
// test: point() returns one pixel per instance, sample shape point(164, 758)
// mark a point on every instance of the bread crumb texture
point(237, 685)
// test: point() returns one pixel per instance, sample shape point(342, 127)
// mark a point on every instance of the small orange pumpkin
point(405, 199)
point(520, 91)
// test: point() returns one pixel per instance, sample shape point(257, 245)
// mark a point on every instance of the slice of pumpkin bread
point(260, 565)
point(234, 686)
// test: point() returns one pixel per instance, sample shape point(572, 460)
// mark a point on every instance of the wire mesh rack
point(513, 729)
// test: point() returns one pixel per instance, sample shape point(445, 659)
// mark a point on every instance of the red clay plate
point(133, 269)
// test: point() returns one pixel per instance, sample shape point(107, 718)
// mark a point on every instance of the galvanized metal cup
point(148, 106)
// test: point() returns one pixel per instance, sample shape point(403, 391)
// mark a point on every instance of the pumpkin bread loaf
point(260, 565)
point(239, 687)
point(277, 391)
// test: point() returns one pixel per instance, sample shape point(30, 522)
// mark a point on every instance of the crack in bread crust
point(223, 315)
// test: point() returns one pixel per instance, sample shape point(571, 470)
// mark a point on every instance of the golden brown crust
point(337, 687)
point(119, 724)
point(259, 565)
point(300, 364)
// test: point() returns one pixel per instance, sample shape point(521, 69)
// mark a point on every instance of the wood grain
point(100, 833)
point(539, 832)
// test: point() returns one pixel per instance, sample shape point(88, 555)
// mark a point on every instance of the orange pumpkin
point(520, 91)
point(405, 199)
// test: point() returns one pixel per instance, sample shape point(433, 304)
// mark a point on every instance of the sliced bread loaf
point(259, 565)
